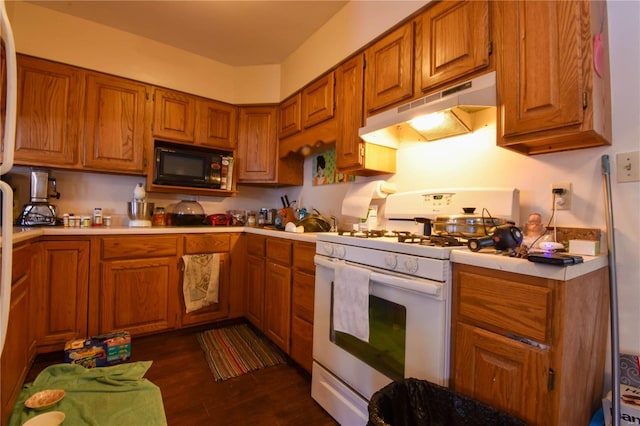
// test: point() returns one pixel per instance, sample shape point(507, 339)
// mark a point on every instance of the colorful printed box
point(99, 351)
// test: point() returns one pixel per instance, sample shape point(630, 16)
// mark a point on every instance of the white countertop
point(25, 233)
point(522, 266)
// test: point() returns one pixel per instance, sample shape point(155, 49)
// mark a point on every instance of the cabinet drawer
point(255, 245)
point(123, 247)
point(505, 306)
point(303, 255)
point(279, 250)
point(206, 243)
point(303, 289)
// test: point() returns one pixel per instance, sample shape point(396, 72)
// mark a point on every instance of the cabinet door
point(217, 124)
point(389, 71)
point(277, 301)
point(504, 373)
point(455, 41)
point(318, 101)
point(550, 98)
point(350, 93)
point(255, 290)
point(174, 115)
point(214, 311)
point(17, 354)
point(49, 111)
point(289, 119)
point(114, 129)
point(138, 295)
point(62, 303)
point(302, 318)
point(257, 144)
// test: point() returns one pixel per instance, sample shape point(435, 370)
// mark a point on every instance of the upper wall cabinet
point(353, 155)
point(389, 69)
point(217, 124)
point(115, 123)
point(550, 96)
point(174, 115)
point(289, 118)
point(49, 111)
point(318, 102)
point(307, 118)
point(454, 38)
point(258, 161)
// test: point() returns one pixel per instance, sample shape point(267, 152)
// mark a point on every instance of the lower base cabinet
point(302, 304)
point(19, 349)
point(138, 284)
point(530, 346)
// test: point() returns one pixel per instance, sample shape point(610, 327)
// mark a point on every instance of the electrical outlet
point(628, 166)
point(563, 200)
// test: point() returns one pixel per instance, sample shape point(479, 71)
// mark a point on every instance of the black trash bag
point(413, 402)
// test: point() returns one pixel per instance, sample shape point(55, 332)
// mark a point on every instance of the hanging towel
point(201, 278)
point(351, 301)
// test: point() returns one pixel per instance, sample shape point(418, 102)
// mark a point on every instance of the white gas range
point(409, 292)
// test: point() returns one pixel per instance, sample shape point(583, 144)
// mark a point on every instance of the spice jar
point(159, 217)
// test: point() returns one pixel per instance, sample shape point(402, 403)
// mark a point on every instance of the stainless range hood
point(450, 112)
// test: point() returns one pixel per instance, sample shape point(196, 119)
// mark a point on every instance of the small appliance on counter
point(39, 211)
point(187, 213)
point(139, 211)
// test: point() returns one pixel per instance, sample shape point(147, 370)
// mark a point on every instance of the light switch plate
point(628, 166)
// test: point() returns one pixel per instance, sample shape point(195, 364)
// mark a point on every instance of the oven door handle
point(417, 285)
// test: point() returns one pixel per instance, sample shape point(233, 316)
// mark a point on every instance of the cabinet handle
point(585, 100)
point(551, 379)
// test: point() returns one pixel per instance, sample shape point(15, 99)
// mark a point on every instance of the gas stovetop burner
point(429, 240)
point(374, 233)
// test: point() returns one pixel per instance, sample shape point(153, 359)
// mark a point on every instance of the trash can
point(419, 402)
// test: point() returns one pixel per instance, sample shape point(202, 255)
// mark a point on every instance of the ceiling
point(237, 33)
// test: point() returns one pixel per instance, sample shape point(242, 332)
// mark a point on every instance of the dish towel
point(351, 300)
point(201, 278)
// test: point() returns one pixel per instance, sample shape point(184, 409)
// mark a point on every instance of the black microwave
point(180, 166)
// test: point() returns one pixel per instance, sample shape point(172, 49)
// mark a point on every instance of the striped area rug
point(236, 350)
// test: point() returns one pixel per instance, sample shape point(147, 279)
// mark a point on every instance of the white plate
point(44, 399)
point(52, 418)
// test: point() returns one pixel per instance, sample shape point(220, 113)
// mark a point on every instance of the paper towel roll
point(356, 202)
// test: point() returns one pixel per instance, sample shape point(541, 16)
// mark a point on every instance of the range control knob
point(327, 249)
point(391, 261)
point(411, 265)
point(340, 252)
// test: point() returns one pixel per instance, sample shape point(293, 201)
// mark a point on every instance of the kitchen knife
point(284, 205)
point(287, 200)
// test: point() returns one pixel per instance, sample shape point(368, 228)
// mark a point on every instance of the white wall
point(466, 161)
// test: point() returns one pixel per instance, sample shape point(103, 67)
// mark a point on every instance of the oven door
point(409, 337)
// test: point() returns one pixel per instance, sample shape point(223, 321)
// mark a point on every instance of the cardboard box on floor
point(99, 351)
point(629, 406)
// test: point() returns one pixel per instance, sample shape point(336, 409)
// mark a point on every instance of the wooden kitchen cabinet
point(115, 125)
point(138, 285)
point(48, 113)
point(208, 243)
point(389, 71)
point(258, 161)
point(549, 96)
point(255, 279)
point(174, 115)
point(217, 125)
point(318, 101)
point(277, 292)
point(302, 297)
point(19, 349)
point(353, 155)
point(454, 37)
point(62, 302)
point(537, 353)
point(289, 116)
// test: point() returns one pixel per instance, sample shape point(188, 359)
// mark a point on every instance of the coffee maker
point(39, 211)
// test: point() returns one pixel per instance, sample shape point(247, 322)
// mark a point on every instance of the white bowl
point(52, 418)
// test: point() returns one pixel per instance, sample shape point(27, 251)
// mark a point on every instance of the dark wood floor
point(279, 395)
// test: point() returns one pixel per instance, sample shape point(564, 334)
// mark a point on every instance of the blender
point(39, 211)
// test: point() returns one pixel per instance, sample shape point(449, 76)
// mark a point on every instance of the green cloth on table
point(115, 395)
